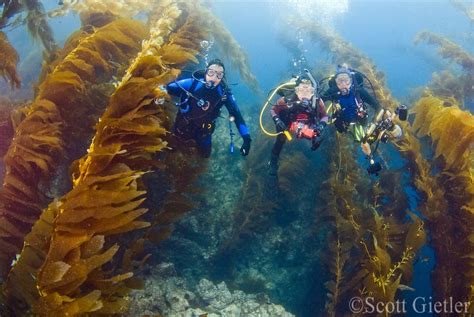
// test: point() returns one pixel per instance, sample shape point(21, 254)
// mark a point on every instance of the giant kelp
point(387, 245)
point(36, 20)
point(51, 134)
point(448, 49)
point(449, 84)
point(8, 62)
point(444, 122)
point(366, 238)
point(106, 198)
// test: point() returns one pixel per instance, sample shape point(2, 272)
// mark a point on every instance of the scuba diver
point(299, 112)
point(201, 99)
point(349, 99)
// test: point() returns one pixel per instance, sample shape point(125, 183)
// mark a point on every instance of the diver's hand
point(280, 125)
point(316, 142)
point(245, 149)
point(320, 127)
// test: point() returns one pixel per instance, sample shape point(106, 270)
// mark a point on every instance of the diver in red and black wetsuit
point(302, 114)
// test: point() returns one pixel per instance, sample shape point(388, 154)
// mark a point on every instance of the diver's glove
point(244, 150)
point(374, 167)
point(316, 142)
point(320, 128)
point(280, 125)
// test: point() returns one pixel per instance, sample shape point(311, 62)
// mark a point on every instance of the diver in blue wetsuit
point(201, 99)
point(349, 97)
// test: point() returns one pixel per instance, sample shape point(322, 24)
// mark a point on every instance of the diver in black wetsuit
point(201, 99)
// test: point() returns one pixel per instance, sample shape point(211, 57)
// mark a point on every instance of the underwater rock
point(167, 294)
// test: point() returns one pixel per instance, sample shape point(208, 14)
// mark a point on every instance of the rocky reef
point(168, 294)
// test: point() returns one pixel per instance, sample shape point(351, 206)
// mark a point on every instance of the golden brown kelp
point(8, 62)
point(106, 199)
point(8, 117)
point(90, 21)
point(445, 124)
point(362, 230)
point(51, 133)
point(383, 238)
point(340, 211)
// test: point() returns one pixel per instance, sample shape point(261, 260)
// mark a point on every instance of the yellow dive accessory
point(291, 84)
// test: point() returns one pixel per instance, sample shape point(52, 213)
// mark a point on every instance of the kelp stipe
point(8, 62)
point(43, 140)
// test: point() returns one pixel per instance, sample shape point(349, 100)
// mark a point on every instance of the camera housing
point(402, 112)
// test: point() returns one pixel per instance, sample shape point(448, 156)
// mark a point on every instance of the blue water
point(382, 30)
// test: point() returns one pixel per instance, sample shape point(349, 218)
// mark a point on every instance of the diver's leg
point(366, 148)
point(204, 143)
point(277, 147)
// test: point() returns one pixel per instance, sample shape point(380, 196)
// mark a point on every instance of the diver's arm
point(277, 107)
point(331, 93)
point(369, 99)
point(323, 115)
point(234, 111)
point(178, 87)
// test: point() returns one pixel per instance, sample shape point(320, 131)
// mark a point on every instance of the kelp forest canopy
point(94, 179)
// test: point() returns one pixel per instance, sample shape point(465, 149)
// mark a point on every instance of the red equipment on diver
point(301, 129)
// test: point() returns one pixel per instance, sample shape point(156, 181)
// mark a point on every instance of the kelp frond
point(448, 49)
point(106, 199)
point(38, 24)
point(445, 124)
point(8, 62)
point(465, 8)
point(43, 139)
